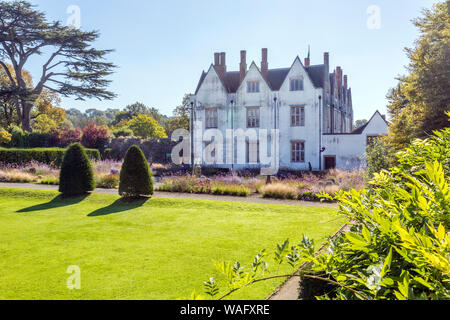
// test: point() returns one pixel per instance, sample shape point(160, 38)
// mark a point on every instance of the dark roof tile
point(275, 78)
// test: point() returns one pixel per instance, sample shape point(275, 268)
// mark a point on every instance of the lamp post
point(275, 126)
point(191, 125)
point(320, 134)
point(232, 137)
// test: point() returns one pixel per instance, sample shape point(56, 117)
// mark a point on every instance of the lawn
point(155, 249)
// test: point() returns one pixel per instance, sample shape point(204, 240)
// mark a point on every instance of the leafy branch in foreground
point(398, 246)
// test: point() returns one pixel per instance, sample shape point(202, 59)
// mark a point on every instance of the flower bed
point(306, 188)
point(106, 173)
point(190, 184)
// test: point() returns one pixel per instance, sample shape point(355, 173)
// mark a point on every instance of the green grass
point(158, 249)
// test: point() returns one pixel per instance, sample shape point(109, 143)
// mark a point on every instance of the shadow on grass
point(120, 205)
point(56, 202)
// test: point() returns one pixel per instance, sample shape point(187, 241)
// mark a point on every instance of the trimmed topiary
point(76, 176)
point(135, 176)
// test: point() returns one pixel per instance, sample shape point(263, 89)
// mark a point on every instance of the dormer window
point(296, 84)
point(252, 86)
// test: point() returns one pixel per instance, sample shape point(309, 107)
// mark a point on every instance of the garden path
point(250, 199)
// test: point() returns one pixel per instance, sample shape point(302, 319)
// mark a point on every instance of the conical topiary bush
point(76, 176)
point(135, 176)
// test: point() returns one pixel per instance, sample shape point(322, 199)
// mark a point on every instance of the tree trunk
point(26, 117)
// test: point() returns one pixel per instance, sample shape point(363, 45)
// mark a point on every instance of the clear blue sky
point(161, 47)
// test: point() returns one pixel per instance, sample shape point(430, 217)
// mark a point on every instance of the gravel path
point(251, 199)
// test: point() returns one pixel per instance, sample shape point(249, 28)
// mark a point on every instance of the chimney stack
point(339, 77)
point(216, 59)
point(326, 60)
point(222, 60)
point(264, 63)
point(243, 65)
point(307, 62)
point(219, 63)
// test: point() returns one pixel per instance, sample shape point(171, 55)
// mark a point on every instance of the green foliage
point(85, 70)
point(122, 132)
point(417, 105)
point(135, 176)
point(25, 139)
point(109, 181)
point(231, 190)
point(45, 124)
point(146, 127)
point(5, 137)
point(181, 116)
point(51, 156)
point(377, 157)
point(76, 175)
point(49, 180)
point(397, 247)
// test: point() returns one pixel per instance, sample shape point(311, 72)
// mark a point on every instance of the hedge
point(52, 156)
point(76, 175)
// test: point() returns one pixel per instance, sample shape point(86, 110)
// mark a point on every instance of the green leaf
point(366, 234)
point(356, 239)
point(399, 296)
point(387, 263)
point(440, 234)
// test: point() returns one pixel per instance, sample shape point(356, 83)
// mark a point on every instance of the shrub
point(76, 176)
point(231, 190)
point(186, 184)
point(95, 136)
point(377, 157)
point(50, 156)
point(146, 127)
point(50, 180)
point(122, 132)
point(135, 176)
point(5, 137)
point(23, 139)
point(279, 191)
point(66, 137)
point(17, 137)
point(16, 175)
point(109, 181)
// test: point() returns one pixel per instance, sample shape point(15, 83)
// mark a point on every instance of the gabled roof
point(202, 77)
point(275, 78)
point(361, 129)
point(232, 81)
point(317, 74)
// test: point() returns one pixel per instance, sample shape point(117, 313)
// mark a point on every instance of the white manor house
point(308, 107)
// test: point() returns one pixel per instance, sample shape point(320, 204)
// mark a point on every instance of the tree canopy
point(146, 127)
point(72, 67)
point(417, 105)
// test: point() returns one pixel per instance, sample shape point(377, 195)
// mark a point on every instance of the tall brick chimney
point(222, 60)
point(243, 65)
point(339, 77)
point(216, 59)
point(219, 63)
point(264, 63)
point(307, 62)
point(326, 60)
